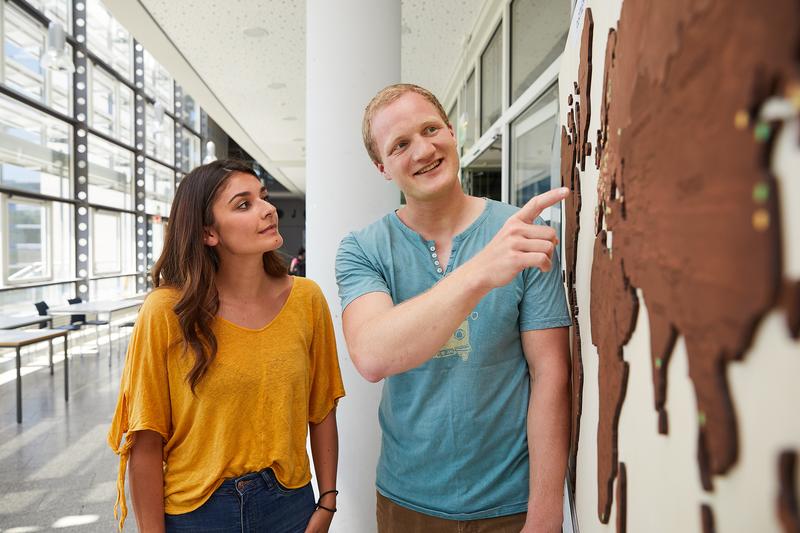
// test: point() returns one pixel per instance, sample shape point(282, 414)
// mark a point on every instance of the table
point(97, 308)
point(18, 339)
point(14, 322)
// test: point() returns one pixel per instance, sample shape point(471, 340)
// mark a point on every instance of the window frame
point(47, 254)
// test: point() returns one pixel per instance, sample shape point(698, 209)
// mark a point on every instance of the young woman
point(232, 363)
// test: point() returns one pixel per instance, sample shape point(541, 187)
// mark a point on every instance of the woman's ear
point(210, 237)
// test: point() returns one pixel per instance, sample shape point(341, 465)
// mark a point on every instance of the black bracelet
point(320, 506)
point(326, 508)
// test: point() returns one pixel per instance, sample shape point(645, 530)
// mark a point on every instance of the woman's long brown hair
point(188, 265)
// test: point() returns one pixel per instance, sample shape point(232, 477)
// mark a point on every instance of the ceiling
point(244, 62)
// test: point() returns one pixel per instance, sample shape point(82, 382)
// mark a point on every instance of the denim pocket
point(287, 491)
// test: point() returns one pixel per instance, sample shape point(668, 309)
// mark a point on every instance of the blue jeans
point(252, 503)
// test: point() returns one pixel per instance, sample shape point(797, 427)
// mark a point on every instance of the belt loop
point(265, 475)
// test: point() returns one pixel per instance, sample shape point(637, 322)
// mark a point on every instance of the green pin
point(701, 418)
point(658, 362)
point(761, 192)
point(762, 132)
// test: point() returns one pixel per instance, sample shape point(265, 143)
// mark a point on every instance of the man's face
point(417, 148)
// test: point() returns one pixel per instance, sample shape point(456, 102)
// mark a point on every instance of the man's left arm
point(547, 353)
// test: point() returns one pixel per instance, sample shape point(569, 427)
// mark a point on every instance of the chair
point(128, 324)
point(81, 320)
point(42, 308)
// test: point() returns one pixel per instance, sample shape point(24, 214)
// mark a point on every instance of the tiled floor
point(56, 471)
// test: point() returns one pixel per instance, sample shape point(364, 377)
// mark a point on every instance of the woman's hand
point(320, 521)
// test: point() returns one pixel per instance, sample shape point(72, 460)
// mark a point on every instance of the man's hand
point(520, 243)
point(320, 522)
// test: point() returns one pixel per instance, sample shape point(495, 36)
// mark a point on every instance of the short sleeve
point(143, 402)
point(356, 275)
point(326, 377)
point(544, 303)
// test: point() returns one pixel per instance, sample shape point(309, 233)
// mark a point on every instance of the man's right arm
point(385, 339)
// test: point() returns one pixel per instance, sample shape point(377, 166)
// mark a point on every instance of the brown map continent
point(788, 503)
point(686, 193)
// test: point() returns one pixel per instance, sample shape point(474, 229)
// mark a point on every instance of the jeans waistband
point(249, 482)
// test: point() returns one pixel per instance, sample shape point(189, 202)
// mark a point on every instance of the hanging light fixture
point(57, 57)
point(211, 152)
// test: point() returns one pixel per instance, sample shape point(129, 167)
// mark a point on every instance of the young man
point(457, 303)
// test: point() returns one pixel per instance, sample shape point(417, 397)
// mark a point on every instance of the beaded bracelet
point(320, 506)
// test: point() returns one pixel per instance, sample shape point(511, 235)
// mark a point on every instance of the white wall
point(664, 492)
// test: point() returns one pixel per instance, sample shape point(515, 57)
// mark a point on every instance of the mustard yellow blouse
point(251, 409)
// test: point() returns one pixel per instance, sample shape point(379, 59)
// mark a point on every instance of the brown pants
point(393, 518)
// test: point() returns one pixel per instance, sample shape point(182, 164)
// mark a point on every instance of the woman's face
point(245, 223)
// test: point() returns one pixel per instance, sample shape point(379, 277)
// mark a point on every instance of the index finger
point(537, 204)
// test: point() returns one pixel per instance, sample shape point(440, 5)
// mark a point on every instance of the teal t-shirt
point(454, 441)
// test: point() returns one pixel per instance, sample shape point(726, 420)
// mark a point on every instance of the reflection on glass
point(160, 136)
point(23, 45)
point(27, 241)
point(20, 301)
point(112, 104)
point(110, 174)
point(113, 288)
point(34, 150)
point(190, 150)
point(59, 10)
point(159, 184)
point(483, 176)
point(469, 114)
point(106, 237)
point(191, 112)
point(492, 80)
point(108, 38)
point(157, 227)
point(532, 135)
point(158, 82)
point(538, 36)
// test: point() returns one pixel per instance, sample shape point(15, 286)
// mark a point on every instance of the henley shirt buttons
point(439, 270)
point(433, 248)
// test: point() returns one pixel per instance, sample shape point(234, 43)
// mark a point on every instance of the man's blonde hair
point(386, 96)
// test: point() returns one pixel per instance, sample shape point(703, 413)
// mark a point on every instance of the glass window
point(20, 301)
point(159, 185)
point(113, 288)
point(160, 132)
point(467, 122)
point(110, 174)
point(112, 103)
point(27, 252)
point(23, 46)
point(112, 242)
point(492, 80)
point(190, 150)
point(157, 228)
point(34, 150)
point(158, 82)
point(108, 39)
point(191, 112)
point(532, 137)
point(538, 36)
point(59, 10)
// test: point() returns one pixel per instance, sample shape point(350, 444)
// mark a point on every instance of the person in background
point(231, 365)
point(456, 302)
point(298, 265)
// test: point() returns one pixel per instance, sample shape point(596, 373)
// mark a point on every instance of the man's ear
point(382, 170)
point(210, 237)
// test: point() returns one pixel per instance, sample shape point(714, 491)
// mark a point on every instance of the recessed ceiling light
point(255, 31)
point(277, 85)
point(290, 118)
